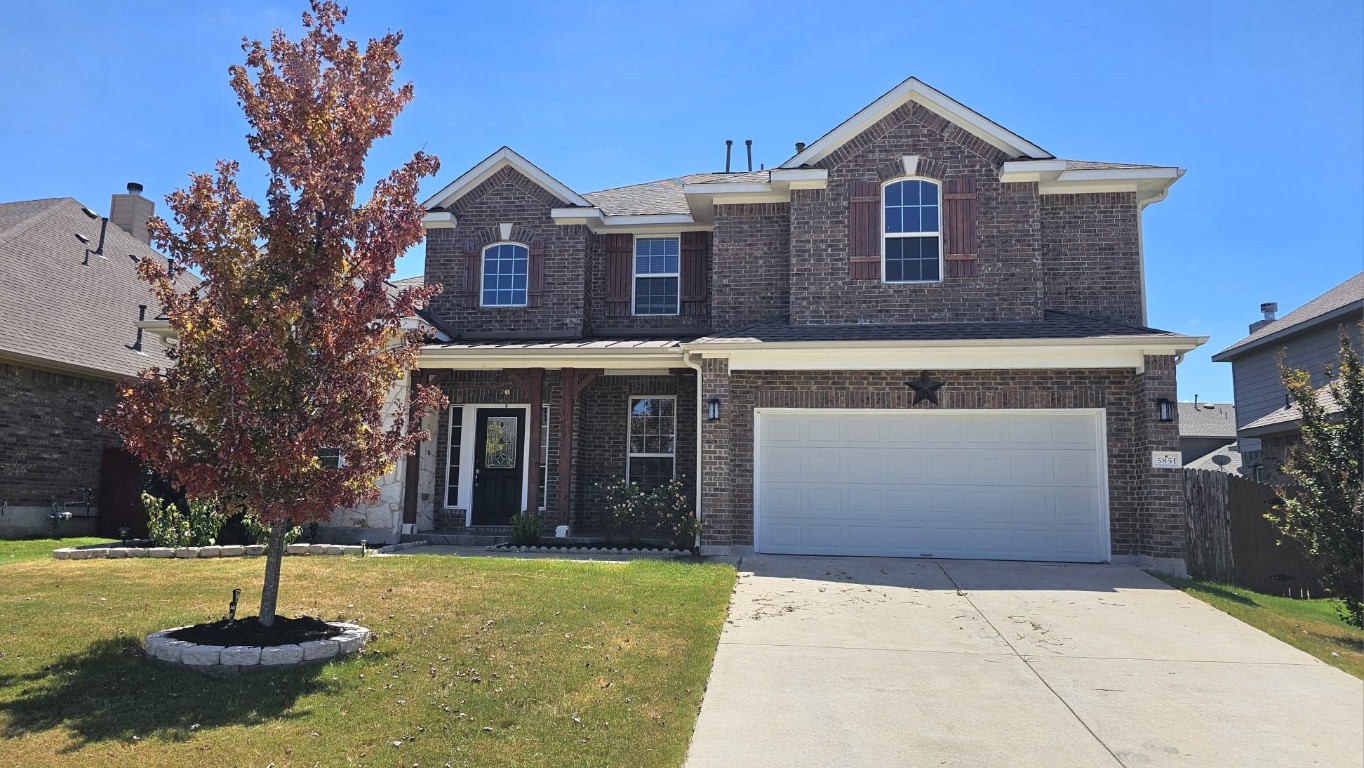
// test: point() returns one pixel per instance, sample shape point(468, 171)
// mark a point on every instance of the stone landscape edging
point(231, 660)
point(591, 550)
point(188, 553)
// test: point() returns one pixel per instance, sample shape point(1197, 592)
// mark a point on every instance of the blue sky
point(1263, 103)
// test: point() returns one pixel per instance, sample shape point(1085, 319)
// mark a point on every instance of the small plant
point(525, 529)
point(627, 506)
point(196, 525)
point(672, 510)
point(260, 533)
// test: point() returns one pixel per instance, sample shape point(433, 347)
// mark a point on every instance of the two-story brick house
point(922, 335)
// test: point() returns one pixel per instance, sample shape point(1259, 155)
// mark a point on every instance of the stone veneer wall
point(1146, 509)
point(50, 444)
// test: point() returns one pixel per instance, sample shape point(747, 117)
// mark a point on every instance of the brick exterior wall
point(1091, 255)
point(1009, 281)
point(599, 323)
point(508, 196)
point(600, 419)
point(50, 438)
point(751, 264)
point(1146, 509)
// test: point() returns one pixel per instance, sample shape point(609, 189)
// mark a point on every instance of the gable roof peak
point(916, 90)
point(502, 158)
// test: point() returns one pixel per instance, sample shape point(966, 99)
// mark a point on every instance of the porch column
point(531, 381)
point(574, 381)
point(412, 478)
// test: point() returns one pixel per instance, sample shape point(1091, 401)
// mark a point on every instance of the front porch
point(542, 438)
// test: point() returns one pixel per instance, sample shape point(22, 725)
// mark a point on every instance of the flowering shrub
point(170, 526)
point(627, 506)
point(673, 511)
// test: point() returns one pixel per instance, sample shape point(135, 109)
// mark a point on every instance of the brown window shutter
point(959, 227)
point(473, 268)
point(694, 267)
point(620, 254)
point(864, 230)
point(535, 280)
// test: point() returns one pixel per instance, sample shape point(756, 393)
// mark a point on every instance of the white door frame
point(1101, 435)
point(469, 428)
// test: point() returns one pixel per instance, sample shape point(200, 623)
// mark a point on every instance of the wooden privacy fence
point(1231, 542)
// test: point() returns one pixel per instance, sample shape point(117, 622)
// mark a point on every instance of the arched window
point(911, 240)
point(505, 267)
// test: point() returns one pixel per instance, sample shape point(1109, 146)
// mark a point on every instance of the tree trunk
point(274, 558)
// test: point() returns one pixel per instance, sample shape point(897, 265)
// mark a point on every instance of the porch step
point(463, 539)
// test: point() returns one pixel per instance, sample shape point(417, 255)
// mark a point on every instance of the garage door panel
point(1007, 484)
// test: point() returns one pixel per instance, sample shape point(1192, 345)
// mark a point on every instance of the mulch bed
point(249, 631)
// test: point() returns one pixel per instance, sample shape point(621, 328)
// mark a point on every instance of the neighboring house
point(1205, 427)
point(1306, 338)
point(70, 300)
point(1280, 430)
point(921, 335)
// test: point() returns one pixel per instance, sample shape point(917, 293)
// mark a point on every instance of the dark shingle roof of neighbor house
point(1207, 420)
point(1054, 325)
point(1286, 419)
point(1224, 459)
point(58, 312)
point(1340, 299)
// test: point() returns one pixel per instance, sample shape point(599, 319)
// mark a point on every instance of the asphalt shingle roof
point(1279, 420)
point(1349, 292)
point(1054, 325)
point(1093, 165)
point(663, 196)
point(1224, 459)
point(561, 344)
point(54, 308)
point(1207, 420)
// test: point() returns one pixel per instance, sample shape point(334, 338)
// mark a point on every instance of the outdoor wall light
point(713, 409)
point(1167, 409)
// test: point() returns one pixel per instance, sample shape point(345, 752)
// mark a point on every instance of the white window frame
point(901, 235)
point(455, 416)
point(634, 274)
point(629, 433)
point(544, 455)
point(483, 275)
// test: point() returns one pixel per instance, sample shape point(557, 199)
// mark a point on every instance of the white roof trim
point(597, 221)
point(492, 164)
point(1151, 184)
point(915, 90)
point(439, 220)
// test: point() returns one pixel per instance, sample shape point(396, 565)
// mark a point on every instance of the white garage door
point(1008, 485)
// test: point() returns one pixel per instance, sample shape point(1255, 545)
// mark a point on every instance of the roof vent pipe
point(800, 147)
point(1269, 309)
point(729, 147)
point(748, 145)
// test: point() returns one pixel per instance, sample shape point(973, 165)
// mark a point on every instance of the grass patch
point(1308, 625)
point(14, 551)
point(476, 662)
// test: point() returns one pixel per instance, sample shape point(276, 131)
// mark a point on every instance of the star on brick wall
point(925, 388)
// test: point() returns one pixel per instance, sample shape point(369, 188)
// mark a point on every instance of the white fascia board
point(947, 354)
point(802, 178)
point(158, 326)
point(465, 359)
point(1150, 184)
point(575, 215)
point(915, 90)
point(493, 163)
point(598, 221)
point(439, 220)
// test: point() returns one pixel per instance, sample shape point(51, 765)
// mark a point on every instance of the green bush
point(260, 533)
point(627, 506)
point(168, 525)
point(671, 510)
point(525, 529)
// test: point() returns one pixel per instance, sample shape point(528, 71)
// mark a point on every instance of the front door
point(499, 469)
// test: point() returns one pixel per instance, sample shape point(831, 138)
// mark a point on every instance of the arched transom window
point(912, 231)
point(505, 266)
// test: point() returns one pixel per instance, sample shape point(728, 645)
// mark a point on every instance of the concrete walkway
point(881, 662)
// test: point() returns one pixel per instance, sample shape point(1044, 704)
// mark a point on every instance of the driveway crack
point(1029, 665)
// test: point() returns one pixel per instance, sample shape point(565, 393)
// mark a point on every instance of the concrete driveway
point(884, 662)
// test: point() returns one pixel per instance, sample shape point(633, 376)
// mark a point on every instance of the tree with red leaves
point(287, 348)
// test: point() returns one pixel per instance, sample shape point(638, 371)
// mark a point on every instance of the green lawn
point(476, 662)
point(1308, 625)
point(39, 549)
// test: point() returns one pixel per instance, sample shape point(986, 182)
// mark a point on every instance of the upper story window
point(912, 232)
point(505, 270)
point(656, 275)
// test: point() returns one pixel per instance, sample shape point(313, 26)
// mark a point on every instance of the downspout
point(700, 404)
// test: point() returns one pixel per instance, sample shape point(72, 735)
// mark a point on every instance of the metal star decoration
point(925, 388)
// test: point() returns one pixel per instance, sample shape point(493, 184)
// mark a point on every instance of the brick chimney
point(1269, 309)
point(131, 212)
